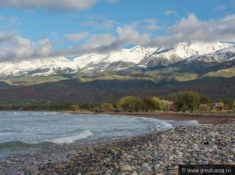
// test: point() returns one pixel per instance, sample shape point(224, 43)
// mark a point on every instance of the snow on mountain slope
point(99, 62)
point(166, 56)
point(36, 67)
point(222, 55)
point(125, 58)
point(88, 62)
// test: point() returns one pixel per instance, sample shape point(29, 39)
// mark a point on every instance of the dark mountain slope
point(111, 90)
point(3, 84)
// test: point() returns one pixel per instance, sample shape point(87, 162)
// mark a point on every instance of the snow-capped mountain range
point(135, 57)
point(226, 54)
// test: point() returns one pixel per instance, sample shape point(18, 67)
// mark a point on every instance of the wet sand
point(177, 116)
point(201, 118)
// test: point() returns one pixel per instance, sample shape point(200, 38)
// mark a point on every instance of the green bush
point(73, 107)
point(130, 104)
point(152, 103)
point(188, 100)
point(107, 107)
point(234, 106)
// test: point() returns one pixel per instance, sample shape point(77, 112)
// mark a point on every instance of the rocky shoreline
point(152, 154)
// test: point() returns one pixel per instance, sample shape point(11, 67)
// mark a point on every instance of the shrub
point(151, 103)
point(234, 106)
point(130, 104)
point(220, 106)
point(188, 100)
point(107, 107)
point(73, 107)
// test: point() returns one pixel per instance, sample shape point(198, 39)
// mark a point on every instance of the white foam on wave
point(183, 123)
point(159, 125)
point(49, 113)
point(4, 134)
point(72, 139)
point(143, 118)
point(162, 126)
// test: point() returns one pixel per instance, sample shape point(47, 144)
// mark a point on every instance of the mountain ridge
point(101, 80)
point(112, 90)
point(137, 56)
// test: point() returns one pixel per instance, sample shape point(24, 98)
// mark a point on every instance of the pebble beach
point(152, 154)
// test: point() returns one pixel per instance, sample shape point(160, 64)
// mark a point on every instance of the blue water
point(36, 131)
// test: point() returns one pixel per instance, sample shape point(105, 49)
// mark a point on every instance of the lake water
point(30, 132)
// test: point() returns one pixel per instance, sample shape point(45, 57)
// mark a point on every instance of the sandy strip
point(201, 118)
point(177, 116)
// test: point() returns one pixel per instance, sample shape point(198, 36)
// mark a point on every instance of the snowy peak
point(222, 55)
point(167, 56)
point(100, 62)
point(182, 51)
point(39, 67)
point(126, 58)
point(200, 47)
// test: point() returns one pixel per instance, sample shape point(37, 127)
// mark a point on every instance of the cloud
point(125, 35)
point(49, 4)
point(100, 40)
point(220, 8)
point(15, 48)
point(1, 18)
point(191, 29)
point(151, 24)
point(5, 37)
point(232, 3)
point(170, 12)
point(43, 48)
point(112, 1)
point(101, 23)
point(76, 36)
point(129, 35)
point(105, 43)
point(11, 19)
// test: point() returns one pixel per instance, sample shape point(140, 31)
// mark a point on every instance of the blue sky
point(44, 29)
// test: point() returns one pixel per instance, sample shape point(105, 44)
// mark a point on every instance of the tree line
point(188, 101)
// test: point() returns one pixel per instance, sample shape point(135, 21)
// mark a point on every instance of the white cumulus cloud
point(6, 37)
point(105, 43)
point(50, 4)
point(15, 48)
point(192, 29)
point(151, 24)
point(170, 12)
point(100, 40)
point(189, 29)
point(77, 36)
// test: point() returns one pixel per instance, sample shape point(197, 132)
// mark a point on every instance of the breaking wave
point(72, 139)
point(49, 113)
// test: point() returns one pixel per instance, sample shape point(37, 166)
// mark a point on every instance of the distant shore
point(177, 116)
